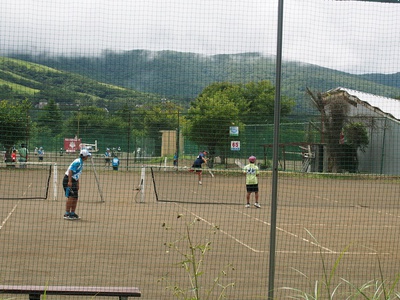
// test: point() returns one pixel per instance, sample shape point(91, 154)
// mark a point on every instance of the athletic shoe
point(73, 216)
point(200, 183)
point(257, 205)
point(247, 205)
point(67, 216)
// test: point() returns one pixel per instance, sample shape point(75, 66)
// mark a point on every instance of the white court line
point(289, 233)
point(251, 248)
point(370, 208)
point(328, 251)
point(324, 249)
point(12, 211)
point(9, 215)
point(224, 232)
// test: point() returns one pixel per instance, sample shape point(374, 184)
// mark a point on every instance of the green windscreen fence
point(157, 85)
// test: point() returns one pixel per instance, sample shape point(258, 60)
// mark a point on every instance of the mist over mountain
point(182, 76)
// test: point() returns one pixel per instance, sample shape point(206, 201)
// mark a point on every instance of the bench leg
point(34, 296)
point(123, 298)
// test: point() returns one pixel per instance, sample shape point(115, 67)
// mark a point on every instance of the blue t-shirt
point(76, 167)
point(199, 159)
point(115, 162)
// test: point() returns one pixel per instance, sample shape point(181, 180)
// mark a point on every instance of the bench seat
point(35, 291)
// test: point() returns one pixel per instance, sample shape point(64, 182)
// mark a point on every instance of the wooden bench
point(35, 291)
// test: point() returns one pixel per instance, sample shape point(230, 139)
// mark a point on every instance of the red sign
point(72, 145)
point(235, 145)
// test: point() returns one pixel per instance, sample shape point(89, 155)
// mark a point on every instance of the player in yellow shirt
point(251, 171)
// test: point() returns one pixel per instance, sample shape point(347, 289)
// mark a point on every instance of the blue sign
point(233, 131)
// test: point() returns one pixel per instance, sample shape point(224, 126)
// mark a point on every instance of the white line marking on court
point(288, 232)
point(370, 208)
point(328, 251)
point(14, 208)
point(9, 215)
point(327, 199)
point(224, 232)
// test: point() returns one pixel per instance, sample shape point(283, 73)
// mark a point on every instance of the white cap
point(85, 152)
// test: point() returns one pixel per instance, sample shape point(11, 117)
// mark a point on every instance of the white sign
point(233, 131)
point(235, 145)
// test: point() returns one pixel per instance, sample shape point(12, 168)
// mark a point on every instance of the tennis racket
point(139, 189)
point(209, 171)
point(239, 164)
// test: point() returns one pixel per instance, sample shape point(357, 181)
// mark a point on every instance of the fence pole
point(277, 112)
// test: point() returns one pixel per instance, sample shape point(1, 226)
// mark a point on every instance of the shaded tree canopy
point(223, 104)
point(209, 120)
point(50, 118)
point(15, 124)
point(356, 135)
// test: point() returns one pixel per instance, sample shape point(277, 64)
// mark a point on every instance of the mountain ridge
point(182, 75)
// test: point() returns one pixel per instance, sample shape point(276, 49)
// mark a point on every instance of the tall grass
point(324, 288)
point(193, 256)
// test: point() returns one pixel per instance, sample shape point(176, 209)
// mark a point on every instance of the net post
point(97, 180)
point(142, 178)
point(55, 176)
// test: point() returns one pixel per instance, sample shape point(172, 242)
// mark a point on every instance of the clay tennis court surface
point(122, 242)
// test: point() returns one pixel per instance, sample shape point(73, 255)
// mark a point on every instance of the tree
point(50, 119)
point(151, 119)
point(356, 135)
point(255, 100)
point(92, 121)
point(209, 119)
point(15, 125)
point(221, 105)
point(334, 110)
point(259, 98)
point(342, 152)
point(355, 138)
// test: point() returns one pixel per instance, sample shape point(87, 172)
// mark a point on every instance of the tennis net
point(25, 181)
point(182, 185)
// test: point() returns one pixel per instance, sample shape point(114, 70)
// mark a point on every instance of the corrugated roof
point(387, 105)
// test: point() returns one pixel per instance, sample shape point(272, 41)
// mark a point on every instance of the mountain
point(21, 79)
point(182, 76)
point(384, 79)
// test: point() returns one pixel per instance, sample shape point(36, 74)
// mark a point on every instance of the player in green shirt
point(23, 155)
point(251, 171)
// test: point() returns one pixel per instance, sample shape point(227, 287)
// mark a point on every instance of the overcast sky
point(351, 36)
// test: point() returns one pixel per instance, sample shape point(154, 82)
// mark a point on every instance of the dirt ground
point(121, 241)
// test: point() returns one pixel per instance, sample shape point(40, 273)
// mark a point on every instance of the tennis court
point(121, 242)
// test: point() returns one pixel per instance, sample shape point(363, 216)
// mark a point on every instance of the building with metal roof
point(381, 115)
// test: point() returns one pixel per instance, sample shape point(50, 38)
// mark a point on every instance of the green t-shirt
point(251, 171)
point(23, 154)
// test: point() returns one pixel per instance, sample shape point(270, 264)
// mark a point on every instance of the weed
point(193, 255)
point(324, 289)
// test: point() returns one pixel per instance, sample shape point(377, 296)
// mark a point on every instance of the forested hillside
point(182, 76)
point(25, 80)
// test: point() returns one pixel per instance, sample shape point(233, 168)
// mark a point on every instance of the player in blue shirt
point(71, 184)
point(115, 163)
point(201, 158)
point(107, 158)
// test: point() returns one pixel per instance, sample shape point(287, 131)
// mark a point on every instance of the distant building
point(381, 115)
point(41, 104)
